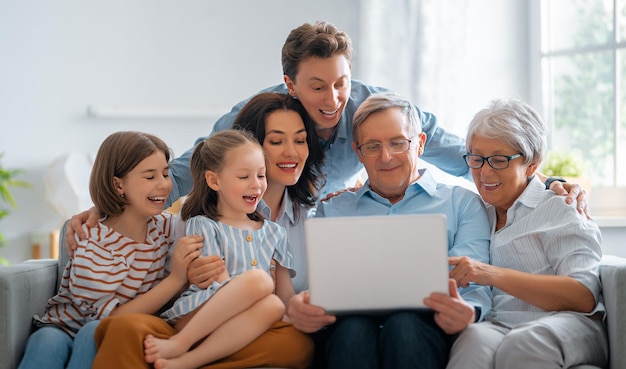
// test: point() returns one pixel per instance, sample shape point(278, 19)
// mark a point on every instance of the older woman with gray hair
point(545, 257)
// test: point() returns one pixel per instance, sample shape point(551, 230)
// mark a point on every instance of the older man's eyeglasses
point(375, 148)
point(495, 161)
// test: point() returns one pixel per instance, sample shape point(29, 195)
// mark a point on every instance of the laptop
point(376, 264)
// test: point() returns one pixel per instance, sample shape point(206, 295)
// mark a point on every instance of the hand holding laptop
point(424, 246)
point(452, 313)
point(306, 317)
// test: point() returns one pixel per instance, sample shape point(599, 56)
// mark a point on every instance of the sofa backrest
point(63, 254)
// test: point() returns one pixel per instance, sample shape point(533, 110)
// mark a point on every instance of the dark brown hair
point(320, 39)
point(252, 118)
point(118, 154)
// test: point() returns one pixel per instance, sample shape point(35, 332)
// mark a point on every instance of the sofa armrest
point(613, 275)
point(24, 290)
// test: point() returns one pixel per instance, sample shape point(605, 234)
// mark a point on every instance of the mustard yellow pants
point(120, 345)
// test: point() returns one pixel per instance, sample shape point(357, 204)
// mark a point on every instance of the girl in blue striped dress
point(228, 170)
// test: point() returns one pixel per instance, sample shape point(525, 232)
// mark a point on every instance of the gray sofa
point(26, 287)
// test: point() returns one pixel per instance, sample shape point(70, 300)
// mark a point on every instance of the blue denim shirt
point(342, 167)
point(467, 223)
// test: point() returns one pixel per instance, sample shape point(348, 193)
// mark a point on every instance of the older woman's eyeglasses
point(495, 161)
point(375, 148)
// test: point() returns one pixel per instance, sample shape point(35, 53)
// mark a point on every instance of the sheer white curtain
point(419, 48)
point(416, 48)
point(391, 40)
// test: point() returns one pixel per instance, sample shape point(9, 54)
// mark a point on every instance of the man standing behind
point(317, 70)
point(388, 141)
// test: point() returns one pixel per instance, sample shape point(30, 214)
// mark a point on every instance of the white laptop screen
point(376, 263)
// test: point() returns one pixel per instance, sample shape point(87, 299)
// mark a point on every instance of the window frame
point(542, 96)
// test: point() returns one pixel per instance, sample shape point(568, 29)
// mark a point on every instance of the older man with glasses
point(388, 140)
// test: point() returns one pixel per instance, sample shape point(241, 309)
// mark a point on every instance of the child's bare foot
point(156, 348)
point(161, 364)
point(177, 363)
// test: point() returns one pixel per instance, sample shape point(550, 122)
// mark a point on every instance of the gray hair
point(382, 101)
point(513, 122)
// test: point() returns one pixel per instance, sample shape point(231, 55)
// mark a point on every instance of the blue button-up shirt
point(295, 235)
point(466, 220)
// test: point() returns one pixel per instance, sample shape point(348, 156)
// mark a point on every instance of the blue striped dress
point(241, 250)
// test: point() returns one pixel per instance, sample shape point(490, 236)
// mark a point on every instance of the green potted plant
point(7, 181)
point(568, 164)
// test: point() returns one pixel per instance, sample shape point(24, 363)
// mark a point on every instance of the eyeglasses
point(495, 161)
point(375, 148)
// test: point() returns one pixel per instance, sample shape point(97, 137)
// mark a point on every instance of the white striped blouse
point(107, 270)
point(543, 235)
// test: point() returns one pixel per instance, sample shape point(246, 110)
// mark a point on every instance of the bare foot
point(156, 348)
point(161, 364)
point(177, 363)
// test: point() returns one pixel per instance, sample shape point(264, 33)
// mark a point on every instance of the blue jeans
point(401, 340)
point(50, 347)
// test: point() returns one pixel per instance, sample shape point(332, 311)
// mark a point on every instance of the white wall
point(58, 57)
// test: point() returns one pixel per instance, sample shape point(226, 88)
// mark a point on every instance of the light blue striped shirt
point(295, 234)
point(241, 249)
point(543, 235)
point(466, 219)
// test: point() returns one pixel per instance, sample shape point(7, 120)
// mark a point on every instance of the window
point(583, 83)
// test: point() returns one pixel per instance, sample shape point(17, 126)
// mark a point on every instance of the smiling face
point(241, 183)
point(389, 173)
point(323, 87)
point(146, 186)
point(502, 187)
point(285, 147)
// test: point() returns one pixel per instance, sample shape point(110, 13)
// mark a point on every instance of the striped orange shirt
point(107, 270)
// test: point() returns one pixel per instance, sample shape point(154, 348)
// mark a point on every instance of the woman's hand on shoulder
point(75, 226)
